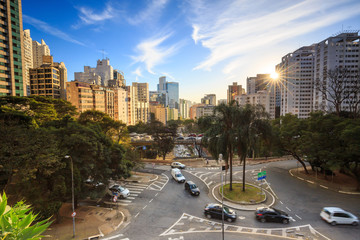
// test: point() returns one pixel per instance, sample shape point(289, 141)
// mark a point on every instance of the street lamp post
point(222, 196)
point(72, 193)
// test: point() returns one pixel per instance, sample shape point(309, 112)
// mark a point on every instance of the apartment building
point(184, 108)
point(39, 50)
point(233, 91)
point(28, 58)
point(103, 70)
point(121, 105)
point(160, 112)
point(266, 98)
point(297, 82)
point(339, 51)
point(258, 83)
point(209, 99)
point(11, 52)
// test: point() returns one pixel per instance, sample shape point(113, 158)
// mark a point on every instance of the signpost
point(261, 176)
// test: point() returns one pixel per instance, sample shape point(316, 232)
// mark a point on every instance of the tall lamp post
point(72, 193)
point(222, 195)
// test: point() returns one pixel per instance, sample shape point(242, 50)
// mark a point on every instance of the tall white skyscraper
point(103, 70)
point(297, 82)
point(39, 50)
point(28, 59)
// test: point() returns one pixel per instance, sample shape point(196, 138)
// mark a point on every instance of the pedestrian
point(207, 161)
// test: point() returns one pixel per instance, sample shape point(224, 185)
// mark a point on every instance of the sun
point(274, 75)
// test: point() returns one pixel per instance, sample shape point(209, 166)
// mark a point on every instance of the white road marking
point(210, 183)
point(281, 202)
point(298, 217)
point(310, 181)
point(130, 198)
point(151, 200)
point(324, 186)
point(137, 214)
point(135, 195)
point(156, 194)
point(205, 179)
point(124, 201)
point(116, 236)
point(288, 209)
point(135, 192)
point(144, 207)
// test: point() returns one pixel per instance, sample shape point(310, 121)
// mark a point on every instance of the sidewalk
point(92, 222)
point(339, 182)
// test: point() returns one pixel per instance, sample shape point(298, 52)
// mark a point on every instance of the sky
point(204, 45)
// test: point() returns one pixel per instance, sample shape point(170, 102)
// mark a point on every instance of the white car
point(177, 165)
point(335, 215)
point(119, 191)
point(177, 175)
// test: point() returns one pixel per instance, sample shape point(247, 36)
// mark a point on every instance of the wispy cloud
point(153, 52)
point(45, 27)
point(89, 16)
point(137, 72)
point(168, 75)
point(150, 12)
point(244, 26)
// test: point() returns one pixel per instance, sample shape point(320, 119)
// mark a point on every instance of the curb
point(325, 187)
point(244, 209)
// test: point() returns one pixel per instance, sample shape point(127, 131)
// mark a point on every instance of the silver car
point(335, 215)
point(119, 191)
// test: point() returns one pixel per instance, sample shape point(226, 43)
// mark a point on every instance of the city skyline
point(205, 46)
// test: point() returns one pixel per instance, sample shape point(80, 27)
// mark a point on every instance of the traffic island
point(252, 194)
point(249, 205)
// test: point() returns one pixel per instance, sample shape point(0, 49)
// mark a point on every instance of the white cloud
point(168, 75)
point(153, 52)
point(89, 16)
point(151, 11)
point(43, 26)
point(233, 30)
point(137, 72)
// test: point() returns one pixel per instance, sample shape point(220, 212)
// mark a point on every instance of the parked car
point(177, 165)
point(268, 214)
point(119, 191)
point(335, 215)
point(214, 210)
point(179, 138)
point(177, 175)
point(192, 188)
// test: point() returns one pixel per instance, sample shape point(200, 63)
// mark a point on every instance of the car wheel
point(208, 215)
point(355, 223)
point(333, 223)
point(262, 220)
point(121, 196)
point(229, 220)
point(285, 221)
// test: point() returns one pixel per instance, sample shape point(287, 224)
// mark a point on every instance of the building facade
point(11, 51)
point(233, 91)
point(103, 70)
point(209, 99)
point(39, 50)
point(340, 51)
point(297, 82)
point(184, 108)
point(28, 59)
point(45, 81)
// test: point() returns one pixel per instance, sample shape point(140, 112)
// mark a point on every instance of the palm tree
point(220, 133)
point(251, 124)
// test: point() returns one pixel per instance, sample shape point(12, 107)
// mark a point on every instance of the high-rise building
point(121, 105)
point(140, 101)
point(39, 50)
point(172, 89)
point(209, 99)
point(103, 69)
point(297, 82)
point(184, 108)
point(258, 83)
point(340, 51)
point(160, 112)
point(11, 50)
point(28, 59)
point(233, 91)
point(45, 81)
point(63, 78)
point(222, 101)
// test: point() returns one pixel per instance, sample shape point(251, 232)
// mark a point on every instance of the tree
point(251, 125)
point(17, 222)
point(163, 138)
point(288, 130)
point(340, 86)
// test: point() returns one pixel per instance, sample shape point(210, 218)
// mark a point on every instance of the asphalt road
point(169, 212)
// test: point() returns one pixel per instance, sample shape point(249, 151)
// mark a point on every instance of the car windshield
point(227, 210)
point(178, 175)
point(192, 186)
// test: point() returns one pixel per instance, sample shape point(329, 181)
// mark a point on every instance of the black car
point(192, 188)
point(268, 214)
point(214, 210)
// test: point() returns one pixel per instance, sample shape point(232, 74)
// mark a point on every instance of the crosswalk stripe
point(135, 192)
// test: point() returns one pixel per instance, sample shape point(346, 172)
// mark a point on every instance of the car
point(192, 188)
point(177, 165)
point(214, 210)
point(180, 138)
point(335, 215)
point(200, 135)
point(268, 214)
point(119, 191)
point(177, 175)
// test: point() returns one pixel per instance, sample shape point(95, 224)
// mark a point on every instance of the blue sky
point(205, 45)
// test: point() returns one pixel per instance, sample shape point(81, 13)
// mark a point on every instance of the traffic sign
point(261, 175)
point(73, 214)
point(114, 198)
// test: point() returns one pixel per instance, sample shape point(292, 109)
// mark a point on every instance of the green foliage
point(163, 137)
point(18, 222)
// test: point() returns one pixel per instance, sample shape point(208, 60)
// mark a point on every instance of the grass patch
point(251, 193)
